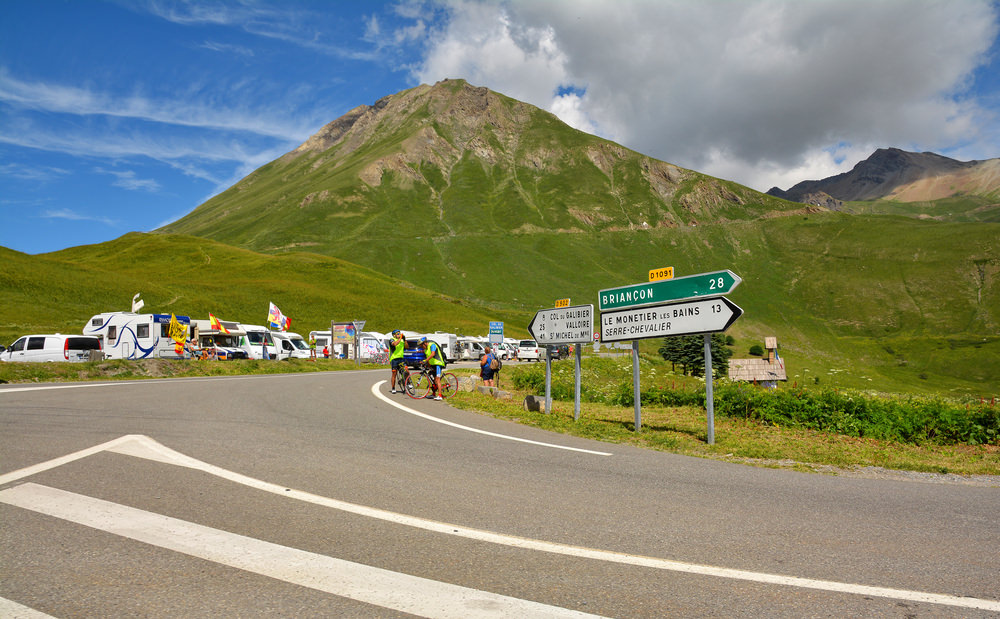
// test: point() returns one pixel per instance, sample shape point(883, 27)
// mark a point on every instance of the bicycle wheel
point(449, 385)
point(418, 385)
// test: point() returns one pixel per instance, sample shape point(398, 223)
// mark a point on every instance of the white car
point(529, 350)
point(55, 347)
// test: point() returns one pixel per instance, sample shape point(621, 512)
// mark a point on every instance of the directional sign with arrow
point(663, 291)
point(563, 325)
point(688, 318)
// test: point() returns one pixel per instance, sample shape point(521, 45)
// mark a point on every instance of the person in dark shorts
point(485, 366)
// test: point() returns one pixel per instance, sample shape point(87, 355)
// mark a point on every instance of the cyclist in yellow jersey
point(396, 358)
point(433, 358)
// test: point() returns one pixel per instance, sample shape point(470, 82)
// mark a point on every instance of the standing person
point(486, 366)
point(398, 346)
point(312, 347)
point(434, 359)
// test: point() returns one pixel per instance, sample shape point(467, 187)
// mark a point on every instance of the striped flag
point(216, 324)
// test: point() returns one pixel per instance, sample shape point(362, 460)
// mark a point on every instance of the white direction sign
point(688, 318)
point(563, 325)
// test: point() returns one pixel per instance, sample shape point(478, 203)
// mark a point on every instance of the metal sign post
point(709, 399)
point(636, 389)
point(576, 383)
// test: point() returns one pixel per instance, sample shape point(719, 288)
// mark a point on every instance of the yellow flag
point(176, 330)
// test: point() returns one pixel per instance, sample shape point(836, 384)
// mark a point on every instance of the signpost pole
point(548, 380)
point(709, 398)
point(635, 385)
point(576, 383)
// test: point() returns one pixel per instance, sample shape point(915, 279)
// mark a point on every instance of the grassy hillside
point(190, 276)
point(955, 209)
point(917, 314)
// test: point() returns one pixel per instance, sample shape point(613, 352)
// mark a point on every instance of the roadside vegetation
point(815, 428)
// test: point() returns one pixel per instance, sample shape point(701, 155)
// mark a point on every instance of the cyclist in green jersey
point(396, 358)
point(433, 358)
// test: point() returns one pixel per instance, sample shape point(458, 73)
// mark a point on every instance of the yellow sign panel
point(562, 303)
point(658, 274)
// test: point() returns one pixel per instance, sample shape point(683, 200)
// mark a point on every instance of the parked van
point(470, 349)
point(257, 340)
point(290, 345)
point(222, 345)
point(127, 335)
point(55, 347)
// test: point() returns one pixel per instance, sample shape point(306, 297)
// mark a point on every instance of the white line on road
point(378, 394)
point(364, 583)
point(12, 610)
point(144, 447)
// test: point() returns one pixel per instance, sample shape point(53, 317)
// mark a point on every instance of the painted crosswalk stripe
point(380, 587)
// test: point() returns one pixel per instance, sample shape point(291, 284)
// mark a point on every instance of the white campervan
point(257, 340)
point(55, 347)
point(372, 347)
point(290, 345)
point(127, 335)
point(448, 342)
point(222, 345)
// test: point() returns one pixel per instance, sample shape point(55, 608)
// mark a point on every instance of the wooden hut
point(766, 371)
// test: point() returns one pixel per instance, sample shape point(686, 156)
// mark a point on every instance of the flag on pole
point(277, 320)
point(216, 324)
point(177, 333)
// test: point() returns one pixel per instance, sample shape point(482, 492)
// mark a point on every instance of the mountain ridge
point(895, 174)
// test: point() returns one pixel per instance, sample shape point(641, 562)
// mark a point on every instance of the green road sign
point(650, 293)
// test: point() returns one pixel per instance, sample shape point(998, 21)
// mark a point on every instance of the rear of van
point(55, 347)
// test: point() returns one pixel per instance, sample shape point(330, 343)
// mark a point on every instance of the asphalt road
point(315, 495)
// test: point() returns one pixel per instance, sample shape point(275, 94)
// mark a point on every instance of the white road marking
point(144, 447)
point(378, 394)
point(12, 610)
point(364, 583)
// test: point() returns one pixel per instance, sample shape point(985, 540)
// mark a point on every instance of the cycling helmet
point(423, 339)
point(395, 331)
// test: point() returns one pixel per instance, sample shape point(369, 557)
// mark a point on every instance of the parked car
point(528, 350)
point(54, 347)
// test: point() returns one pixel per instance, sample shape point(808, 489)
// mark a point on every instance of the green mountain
point(445, 206)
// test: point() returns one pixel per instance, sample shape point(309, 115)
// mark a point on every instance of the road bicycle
point(403, 382)
point(421, 384)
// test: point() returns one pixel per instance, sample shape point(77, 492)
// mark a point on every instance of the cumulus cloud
point(763, 91)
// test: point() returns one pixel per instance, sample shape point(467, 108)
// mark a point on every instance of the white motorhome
point(257, 340)
point(372, 347)
point(223, 345)
point(448, 342)
point(127, 335)
point(290, 345)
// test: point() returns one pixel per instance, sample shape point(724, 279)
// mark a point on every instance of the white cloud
point(32, 173)
point(127, 179)
point(186, 109)
point(71, 215)
point(756, 91)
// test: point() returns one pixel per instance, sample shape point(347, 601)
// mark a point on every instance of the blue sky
point(124, 116)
